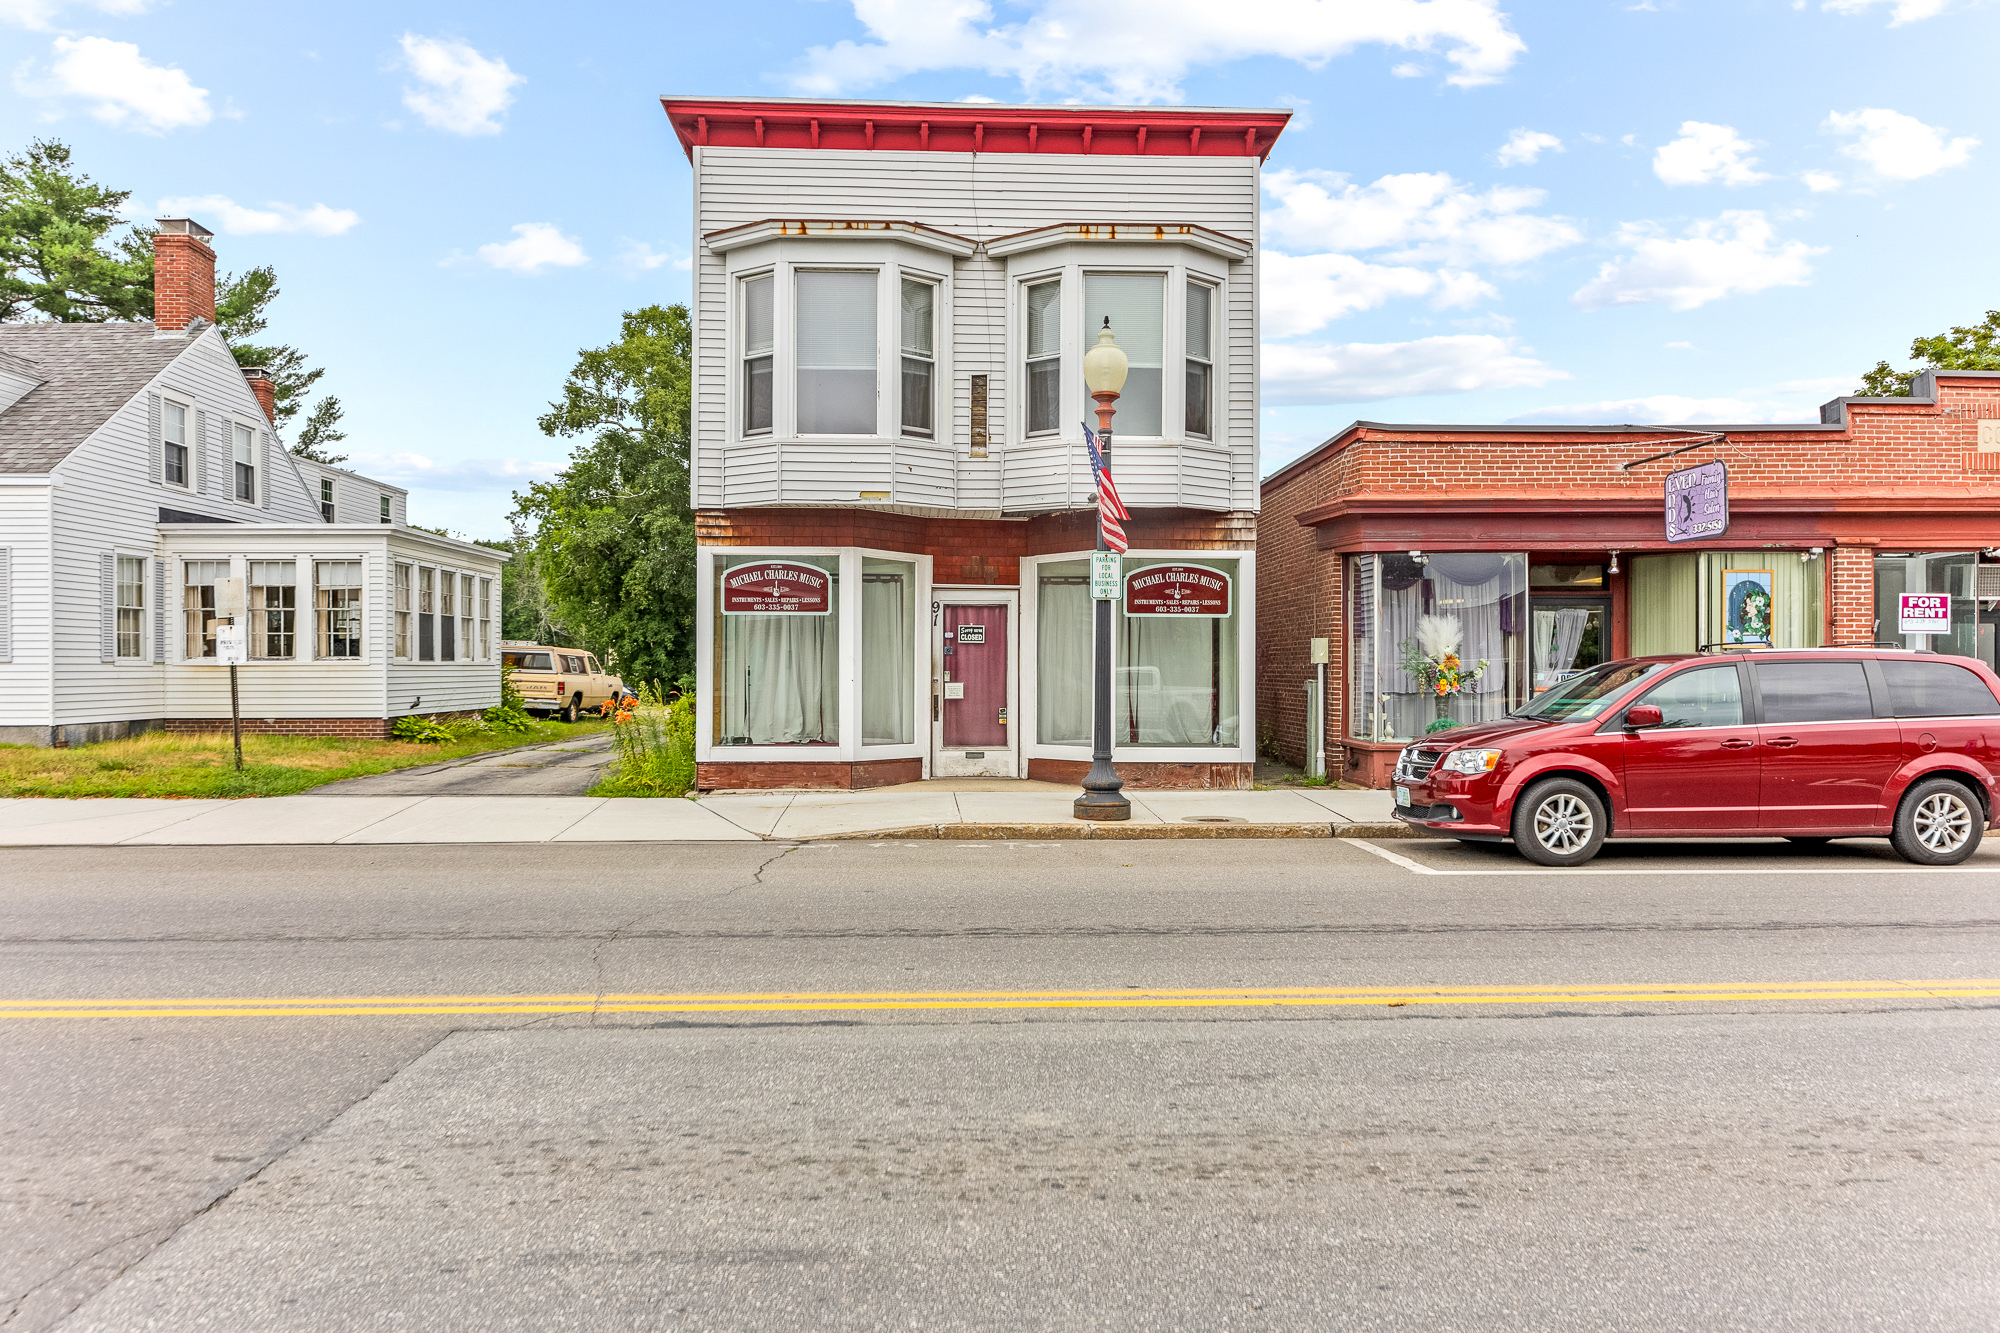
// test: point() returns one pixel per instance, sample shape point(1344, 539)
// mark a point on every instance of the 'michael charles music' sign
point(1176, 590)
point(777, 588)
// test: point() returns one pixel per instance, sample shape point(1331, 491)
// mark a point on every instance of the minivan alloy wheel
point(1942, 822)
point(1563, 823)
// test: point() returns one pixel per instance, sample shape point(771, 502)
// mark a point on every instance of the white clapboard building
point(138, 466)
point(894, 506)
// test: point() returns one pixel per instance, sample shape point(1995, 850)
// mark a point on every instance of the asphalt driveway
point(559, 768)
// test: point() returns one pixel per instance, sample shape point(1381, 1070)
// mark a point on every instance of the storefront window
point(1063, 652)
point(1436, 638)
point(888, 651)
point(1949, 572)
point(1174, 682)
point(777, 672)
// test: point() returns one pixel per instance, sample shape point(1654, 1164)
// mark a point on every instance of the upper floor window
point(919, 357)
point(836, 353)
point(246, 464)
point(174, 437)
point(1044, 323)
point(326, 498)
point(758, 344)
point(1135, 304)
point(388, 515)
point(1200, 360)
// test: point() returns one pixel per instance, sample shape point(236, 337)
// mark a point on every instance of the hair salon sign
point(777, 588)
point(1176, 590)
point(1698, 502)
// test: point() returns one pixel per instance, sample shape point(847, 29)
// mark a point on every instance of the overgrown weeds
point(654, 735)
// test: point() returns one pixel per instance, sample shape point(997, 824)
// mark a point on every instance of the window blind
point(919, 317)
point(1135, 304)
point(1199, 299)
point(836, 341)
point(1044, 319)
point(757, 320)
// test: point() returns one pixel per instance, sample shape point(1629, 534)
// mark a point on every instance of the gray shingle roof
point(89, 372)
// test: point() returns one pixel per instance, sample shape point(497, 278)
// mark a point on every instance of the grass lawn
point(159, 764)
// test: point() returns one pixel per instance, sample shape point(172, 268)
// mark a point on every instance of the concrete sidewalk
point(738, 817)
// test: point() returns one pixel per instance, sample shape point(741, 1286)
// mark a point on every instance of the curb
point(1076, 832)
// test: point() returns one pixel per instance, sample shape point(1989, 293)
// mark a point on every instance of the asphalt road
point(949, 1086)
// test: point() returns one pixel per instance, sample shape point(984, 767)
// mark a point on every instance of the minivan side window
point(1704, 697)
point(1937, 689)
point(1813, 692)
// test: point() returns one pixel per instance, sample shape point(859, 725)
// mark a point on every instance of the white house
point(138, 466)
point(893, 502)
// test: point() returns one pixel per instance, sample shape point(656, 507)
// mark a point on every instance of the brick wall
point(359, 728)
point(183, 281)
point(844, 777)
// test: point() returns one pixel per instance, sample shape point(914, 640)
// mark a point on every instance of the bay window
point(1044, 360)
point(919, 334)
point(758, 344)
point(1135, 304)
point(273, 591)
point(1200, 360)
point(836, 353)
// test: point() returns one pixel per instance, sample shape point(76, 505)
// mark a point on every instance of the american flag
point(1111, 513)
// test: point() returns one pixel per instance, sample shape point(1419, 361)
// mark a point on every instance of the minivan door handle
point(1782, 742)
point(1736, 743)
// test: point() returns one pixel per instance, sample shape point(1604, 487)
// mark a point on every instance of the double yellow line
point(787, 1002)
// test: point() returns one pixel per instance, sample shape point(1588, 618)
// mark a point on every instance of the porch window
point(1200, 359)
point(486, 620)
point(1044, 361)
point(836, 349)
point(403, 611)
point(273, 590)
point(1409, 614)
point(919, 358)
point(758, 344)
point(1175, 680)
point(1063, 653)
point(777, 674)
point(426, 614)
point(468, 646)
point(199, 578)
point(447, 616)
point(1135, 304)
point(888, 651)
point(245, 453)
point(131, 605)
point(337, 607)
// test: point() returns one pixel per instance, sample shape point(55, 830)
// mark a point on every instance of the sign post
point(232, 645)
point(1698, 502)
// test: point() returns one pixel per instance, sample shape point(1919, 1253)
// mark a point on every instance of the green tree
point(58, 258)
point(611, 539)
point(1976, 347)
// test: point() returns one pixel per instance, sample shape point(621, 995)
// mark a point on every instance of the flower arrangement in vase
point(1432, 657)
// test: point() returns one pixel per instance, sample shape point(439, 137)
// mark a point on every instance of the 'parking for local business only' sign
point(1698, 502)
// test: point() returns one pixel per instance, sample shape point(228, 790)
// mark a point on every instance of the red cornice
point(1981, 501)
point(973, 127)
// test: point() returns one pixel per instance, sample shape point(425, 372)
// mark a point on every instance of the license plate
point(1402, 796)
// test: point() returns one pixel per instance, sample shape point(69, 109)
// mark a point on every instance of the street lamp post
point(1104, 368)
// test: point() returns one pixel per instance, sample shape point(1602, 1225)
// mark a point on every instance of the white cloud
point(1707, 154)
point(1900, 12)
point(1793, 400)
point(39, 15)
point(1409, 69)
point(453, 474)
point(1139, 50)
point(1524, 147)
point(124, 89)
point(1418, 217)
point(536, 245)
point(1730, 255)
point(1682, 347)
point(234, 219)
point(639, 257)
point(1895, 146)
point(1301, 293)
point(461, 90)
point(1313, 374)
point(1819, 182)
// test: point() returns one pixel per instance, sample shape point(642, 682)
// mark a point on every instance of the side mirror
point(1643, 715)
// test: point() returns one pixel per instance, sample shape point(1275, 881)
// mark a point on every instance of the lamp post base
point(1102, 798)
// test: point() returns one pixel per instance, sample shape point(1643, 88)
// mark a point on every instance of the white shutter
point(265, 471)
point(6, 604)
point(154, 461)
point(159, 610)
point(107, 607)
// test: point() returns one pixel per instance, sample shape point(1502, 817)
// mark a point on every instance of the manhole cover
point(1213, 819)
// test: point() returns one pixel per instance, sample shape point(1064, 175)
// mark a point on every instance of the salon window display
point(1435, 639)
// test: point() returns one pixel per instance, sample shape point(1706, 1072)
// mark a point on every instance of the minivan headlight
point(1471, 761)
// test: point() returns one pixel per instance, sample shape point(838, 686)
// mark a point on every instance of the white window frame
point(250, 613)
point(890, 261)
point(329, 500)
point(1063, 353)
point(256, 464)
point(402, 611)
point(907, 275)
point(118, 608)
point(180, 608)
point(485, 586)
point(1177, 264)
point(740, 357)
point(359, 560)
point(190, 472)
point(849, 749)
point(387, 508)
point(1245, 594)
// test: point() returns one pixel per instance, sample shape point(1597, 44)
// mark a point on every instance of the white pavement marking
point(1879, 868)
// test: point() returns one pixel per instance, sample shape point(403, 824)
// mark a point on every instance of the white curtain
point(1176, 681)
point(780, 679)
point(888, 651)
point(1062, 654)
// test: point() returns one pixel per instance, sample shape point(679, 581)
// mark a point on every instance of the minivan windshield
point(1583, 696)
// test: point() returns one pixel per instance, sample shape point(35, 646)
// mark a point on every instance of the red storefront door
point(975, 736)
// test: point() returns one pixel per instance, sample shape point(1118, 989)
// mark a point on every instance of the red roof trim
point(974, 127)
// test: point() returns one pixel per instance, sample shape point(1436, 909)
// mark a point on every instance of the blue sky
point(1667, 210)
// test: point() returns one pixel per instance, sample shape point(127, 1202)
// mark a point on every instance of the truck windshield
point(1582, 697)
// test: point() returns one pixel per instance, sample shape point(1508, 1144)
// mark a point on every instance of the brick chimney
point(183, 274)
point(261, 384)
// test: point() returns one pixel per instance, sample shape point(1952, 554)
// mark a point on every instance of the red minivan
point(1809, 744)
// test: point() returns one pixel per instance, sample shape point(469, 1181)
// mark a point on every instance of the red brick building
point(1541, 550)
